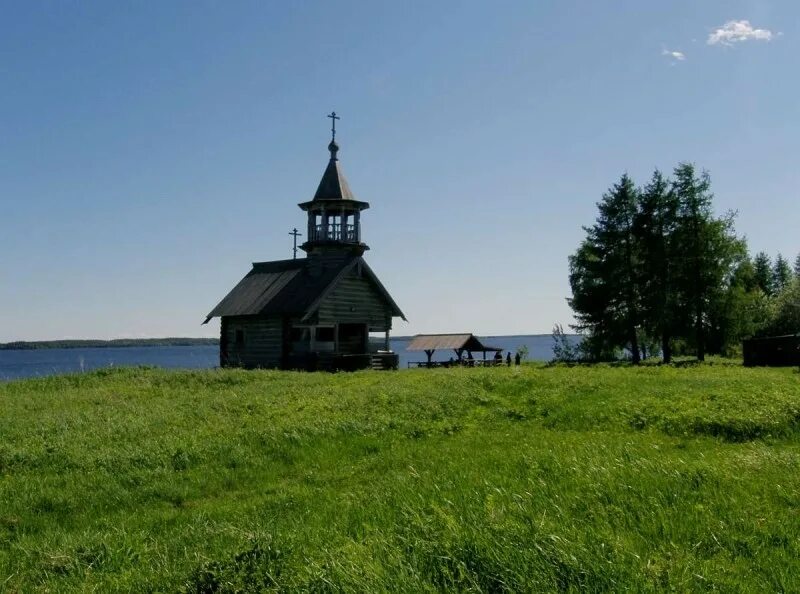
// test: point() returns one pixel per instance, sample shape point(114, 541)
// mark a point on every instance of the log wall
point(356, 300)
point(261, 344)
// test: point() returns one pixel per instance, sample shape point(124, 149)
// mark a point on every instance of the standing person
point(517, 358)
point(508, 359)
point(498, 358)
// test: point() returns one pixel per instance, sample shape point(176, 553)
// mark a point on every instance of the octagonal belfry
point(334, 214)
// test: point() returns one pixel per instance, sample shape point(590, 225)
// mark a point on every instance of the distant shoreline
point(90, 343)
point(486, 336)
point(34, 345)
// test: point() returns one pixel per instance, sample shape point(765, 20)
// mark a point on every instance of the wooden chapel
point(315, 312)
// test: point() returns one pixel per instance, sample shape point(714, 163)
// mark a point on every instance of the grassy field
point(530, 479)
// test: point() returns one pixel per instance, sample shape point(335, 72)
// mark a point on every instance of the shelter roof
point(432, 342)
point(291, 287)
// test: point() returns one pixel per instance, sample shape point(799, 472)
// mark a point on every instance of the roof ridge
point(281, 264)
point(447, 334)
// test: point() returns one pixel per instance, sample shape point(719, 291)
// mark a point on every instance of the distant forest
point(119, 342)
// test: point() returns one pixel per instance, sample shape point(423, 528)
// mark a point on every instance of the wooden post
point(223, 342)
point(386, 342)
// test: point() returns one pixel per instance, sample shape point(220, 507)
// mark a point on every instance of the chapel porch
point(332, 347)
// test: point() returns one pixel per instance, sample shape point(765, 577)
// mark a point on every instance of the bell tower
point(334, 214)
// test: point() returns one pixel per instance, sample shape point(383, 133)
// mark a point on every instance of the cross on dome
point(332, 115)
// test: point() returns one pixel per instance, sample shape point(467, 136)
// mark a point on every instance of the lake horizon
point(32, 363)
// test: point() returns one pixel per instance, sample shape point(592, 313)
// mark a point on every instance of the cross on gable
point(295, 234)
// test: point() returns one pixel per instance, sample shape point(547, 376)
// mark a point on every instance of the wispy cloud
point(674, 55)
point(737, 32)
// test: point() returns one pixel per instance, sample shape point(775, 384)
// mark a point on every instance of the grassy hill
point(531, 479)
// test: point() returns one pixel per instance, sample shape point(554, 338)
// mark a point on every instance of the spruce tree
point(603, 275)
point(654, 227)
point(797, 266)
point(590, 300)
point(763, 273)
point(781, 274)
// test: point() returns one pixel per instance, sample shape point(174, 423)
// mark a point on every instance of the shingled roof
point(333, 186)
point(290, 287)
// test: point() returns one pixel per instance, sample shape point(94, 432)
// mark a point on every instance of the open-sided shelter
point(459, 343)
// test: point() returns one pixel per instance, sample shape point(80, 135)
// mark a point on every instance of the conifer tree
point(781, 274)
point(603, 275)
point(708, 251)
point(657, 265)
point(763, 273)
point(654, 227)
point(797, 266)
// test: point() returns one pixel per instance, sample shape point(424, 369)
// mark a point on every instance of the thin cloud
point(738, 32)
point(674, 54)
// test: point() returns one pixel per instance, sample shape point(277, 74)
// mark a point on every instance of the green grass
point(530, 479)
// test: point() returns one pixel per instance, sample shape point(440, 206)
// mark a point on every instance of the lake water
point(38, 363)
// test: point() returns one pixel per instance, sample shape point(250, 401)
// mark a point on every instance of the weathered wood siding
point(262, 345)
point(355, 300)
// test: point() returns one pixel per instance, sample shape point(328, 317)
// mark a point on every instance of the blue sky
point(150, 151)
